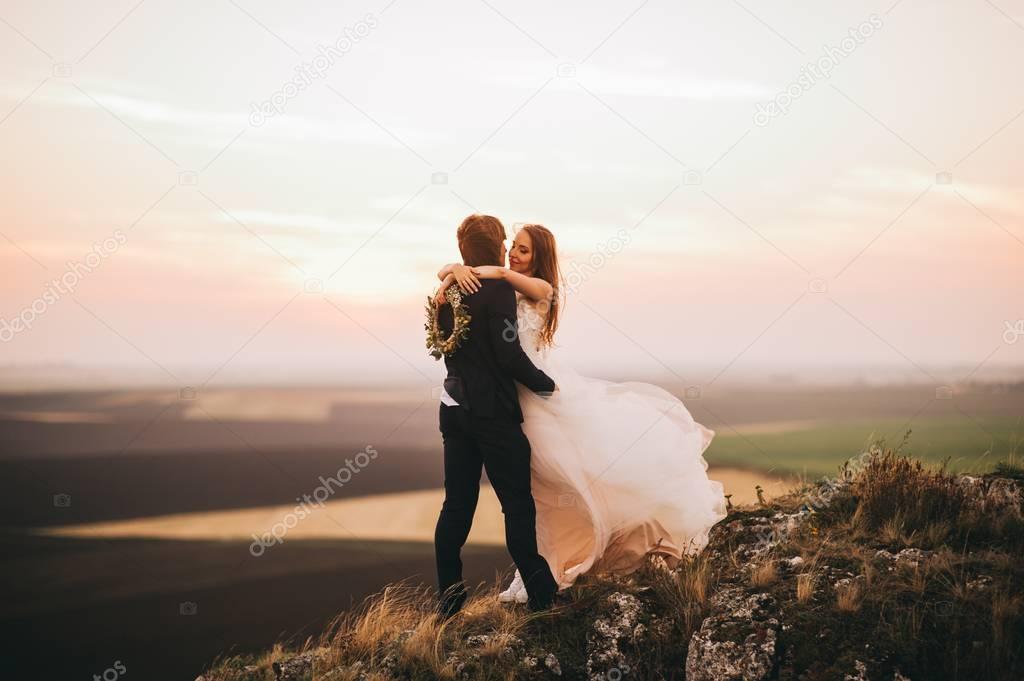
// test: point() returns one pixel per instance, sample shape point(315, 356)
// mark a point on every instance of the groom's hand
point(440, 298)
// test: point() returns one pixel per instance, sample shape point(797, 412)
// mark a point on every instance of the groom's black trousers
point(499, 446)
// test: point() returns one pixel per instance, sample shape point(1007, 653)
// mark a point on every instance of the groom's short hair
point(480, 238)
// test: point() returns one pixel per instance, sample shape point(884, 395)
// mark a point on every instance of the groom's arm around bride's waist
point(509, 353)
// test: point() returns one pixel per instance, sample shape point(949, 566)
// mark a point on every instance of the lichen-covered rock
point(610, 635)
point(909, 558)
point(912, 558)
point(756, 535)
point(821, 494)
point(860, 672)
point(982, 583)
point(296, 668)
point(538, 663)
point(855, 582)
point(505, 644)
point(737, 642)
point(356, 671)
point(483, 648)
point(993, 495)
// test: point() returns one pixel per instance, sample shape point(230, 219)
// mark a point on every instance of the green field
point(971, 445)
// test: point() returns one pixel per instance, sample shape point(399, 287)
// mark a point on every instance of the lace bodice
point(531, 321)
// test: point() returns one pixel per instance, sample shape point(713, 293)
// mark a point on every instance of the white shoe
point(516, 591)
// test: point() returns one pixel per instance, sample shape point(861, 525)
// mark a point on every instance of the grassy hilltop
point(889, 570)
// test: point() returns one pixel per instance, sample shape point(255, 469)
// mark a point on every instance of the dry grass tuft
point(764, 575)
point(895, 500)
point(849, 597)
point(401, 622)
point(685, 591)
point(936, 533)
point(805, 584)
point(891, 532)
point(695, 579)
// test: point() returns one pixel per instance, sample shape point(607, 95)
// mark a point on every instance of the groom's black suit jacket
point(483, 371)
point(485, 432)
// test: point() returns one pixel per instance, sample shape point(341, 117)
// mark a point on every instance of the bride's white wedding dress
point(617, 470)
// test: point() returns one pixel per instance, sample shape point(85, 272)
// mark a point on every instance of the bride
point(617, 469)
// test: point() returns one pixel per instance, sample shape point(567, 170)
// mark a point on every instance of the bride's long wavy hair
point(545, 266)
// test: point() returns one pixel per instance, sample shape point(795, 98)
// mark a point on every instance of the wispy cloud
point(632, 83)
point(210, 128)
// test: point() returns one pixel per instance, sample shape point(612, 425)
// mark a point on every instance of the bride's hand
point(466, 278)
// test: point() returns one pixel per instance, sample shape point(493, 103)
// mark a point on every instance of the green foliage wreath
point(439, 345)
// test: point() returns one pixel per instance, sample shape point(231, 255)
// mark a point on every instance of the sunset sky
point(828, 235)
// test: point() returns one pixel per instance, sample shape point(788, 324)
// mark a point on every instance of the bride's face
point(520, 259)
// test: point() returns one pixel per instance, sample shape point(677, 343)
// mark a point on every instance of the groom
point(480, 425)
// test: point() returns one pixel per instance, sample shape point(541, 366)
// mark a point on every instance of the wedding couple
point(591, 475)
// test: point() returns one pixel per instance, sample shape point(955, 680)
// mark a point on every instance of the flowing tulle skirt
point(618, 471)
